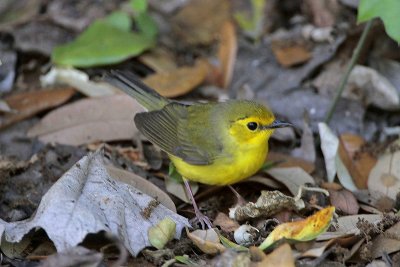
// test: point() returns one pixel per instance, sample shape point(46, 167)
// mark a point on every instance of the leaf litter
point(290, 56)
point(88, 191)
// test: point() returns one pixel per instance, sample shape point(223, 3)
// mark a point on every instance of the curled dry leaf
point(358, 162)
point(206, 240)
point(88, 191)
point(385, 176)
point(179, 81)
point(344, 201)
point(85, 121)
point(27, 104)
point(78, 80)
point(304, 230)
point(268, 204)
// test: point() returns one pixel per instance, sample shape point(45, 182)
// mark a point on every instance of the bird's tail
point(130, 84)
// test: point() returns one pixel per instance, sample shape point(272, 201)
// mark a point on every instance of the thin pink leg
point(203, 219)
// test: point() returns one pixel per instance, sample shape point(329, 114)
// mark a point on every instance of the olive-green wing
point(173, 131)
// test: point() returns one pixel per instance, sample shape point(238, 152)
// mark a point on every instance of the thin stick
point(353, 60)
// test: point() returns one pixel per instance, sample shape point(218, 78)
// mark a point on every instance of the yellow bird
point(210, 143)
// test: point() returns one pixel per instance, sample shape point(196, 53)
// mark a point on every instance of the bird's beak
point(277, 124)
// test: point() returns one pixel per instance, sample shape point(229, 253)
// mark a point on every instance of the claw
point(200, 217)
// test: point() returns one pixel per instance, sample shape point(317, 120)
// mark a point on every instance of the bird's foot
point(202, 219)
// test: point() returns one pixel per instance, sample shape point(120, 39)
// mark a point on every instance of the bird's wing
point(172, 129)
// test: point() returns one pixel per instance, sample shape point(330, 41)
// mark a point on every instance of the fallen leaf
point(227, 54)
point(292, 178)
point(86, 121)
point(369, 86)
point(88, 191)
point(253, 25)
point(161, 233)
point(103, 42)
point(385, 176)
point(28, 104)
point(281, 256)
point(290, 54)
point(78, 80)
point(190, 26)
point(160, 60)
point(359, 163)
point(318, 249)
point(227, 224)
point(284, 161)
point(333, 162)
point(231, 257)
point(376, 199)
point(206, 240)
point(344, 201)
point(268, 204)
point(179, 81)
point(348, 224)
point(141, 184)
point(16, 12)
point(304, 230)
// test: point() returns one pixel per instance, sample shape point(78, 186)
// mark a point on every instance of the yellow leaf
point(303, 230)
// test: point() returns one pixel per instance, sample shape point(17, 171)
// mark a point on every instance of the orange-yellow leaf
point(303, 230)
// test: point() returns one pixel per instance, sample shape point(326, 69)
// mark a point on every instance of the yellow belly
point(245, 162)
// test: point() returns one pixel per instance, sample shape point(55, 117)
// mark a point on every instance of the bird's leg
point(203, 219)
point(240, 199)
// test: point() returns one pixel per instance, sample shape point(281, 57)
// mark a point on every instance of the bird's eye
point(252, 126)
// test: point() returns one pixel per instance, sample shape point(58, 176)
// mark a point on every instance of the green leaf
point(120, 20)
point(387, 10)
point(139, 6)
point(159, 235)
point(147, 25)
point(102, 43)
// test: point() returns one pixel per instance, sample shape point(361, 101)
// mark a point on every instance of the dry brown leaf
point(290, 55)
point(85, 121)
point(227, 54)
point(227, 224)
point(198, 22)
point(289, 161)
point(344, 201)
point(28, 104)
point(385, 176)
point(159, 59)
point(359, 163)
point(143, 185)
point(281, 256)
point(206, 240)
point(179, 81)
point(388, 242)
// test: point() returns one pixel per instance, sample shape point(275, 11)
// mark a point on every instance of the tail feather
point(131, 84)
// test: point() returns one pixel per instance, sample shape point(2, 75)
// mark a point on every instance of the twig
point(353, 60)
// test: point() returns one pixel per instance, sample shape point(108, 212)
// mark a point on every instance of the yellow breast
point(245, 160)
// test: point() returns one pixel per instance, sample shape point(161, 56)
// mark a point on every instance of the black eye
point(252, 126)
